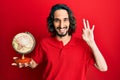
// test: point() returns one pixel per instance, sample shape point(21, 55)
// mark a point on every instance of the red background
point(30, 15)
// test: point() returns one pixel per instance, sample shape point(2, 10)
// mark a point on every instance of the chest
point(67, 54)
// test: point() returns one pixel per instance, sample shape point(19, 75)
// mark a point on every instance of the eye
point(66, 19)
point(56, 20)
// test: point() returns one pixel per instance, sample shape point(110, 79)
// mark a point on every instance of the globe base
point(25, 60)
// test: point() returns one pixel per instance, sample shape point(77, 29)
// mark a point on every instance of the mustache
point(62, 27)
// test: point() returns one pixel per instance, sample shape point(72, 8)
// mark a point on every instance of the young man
point(66, 57)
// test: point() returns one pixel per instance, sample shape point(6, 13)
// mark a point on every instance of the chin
point(62, 35)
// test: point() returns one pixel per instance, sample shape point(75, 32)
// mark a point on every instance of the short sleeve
point(89, 59)
point(38, 56)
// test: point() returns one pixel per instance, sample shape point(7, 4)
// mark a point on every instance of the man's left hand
point(87, 34)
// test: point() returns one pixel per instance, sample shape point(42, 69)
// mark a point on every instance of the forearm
point(99, 59)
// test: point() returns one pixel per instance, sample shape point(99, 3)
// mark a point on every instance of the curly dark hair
point(50, 19)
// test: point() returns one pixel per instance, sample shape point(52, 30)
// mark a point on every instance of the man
point(66, 57)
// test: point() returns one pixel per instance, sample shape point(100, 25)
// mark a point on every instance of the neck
point(64, 39)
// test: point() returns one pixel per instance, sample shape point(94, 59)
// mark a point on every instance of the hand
point(87, 32)
point(21, 65)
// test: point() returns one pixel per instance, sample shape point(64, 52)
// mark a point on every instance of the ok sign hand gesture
point(87, 34)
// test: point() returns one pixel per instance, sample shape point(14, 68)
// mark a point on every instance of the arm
point(89, 39)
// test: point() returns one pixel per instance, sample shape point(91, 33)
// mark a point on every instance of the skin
point(61, 24)
point(88, 36)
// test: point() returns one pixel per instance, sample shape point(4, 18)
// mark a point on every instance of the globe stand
point(23, 60)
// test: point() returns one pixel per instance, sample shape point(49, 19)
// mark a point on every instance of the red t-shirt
point(69, 62)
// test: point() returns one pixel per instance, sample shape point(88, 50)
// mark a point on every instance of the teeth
point(62, 30)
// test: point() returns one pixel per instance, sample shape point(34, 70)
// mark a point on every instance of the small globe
point(23, 42)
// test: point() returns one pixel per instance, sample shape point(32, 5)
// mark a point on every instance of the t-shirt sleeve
point(89, 54)
point(38, 56)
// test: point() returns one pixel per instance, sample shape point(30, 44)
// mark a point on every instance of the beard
point(61, 35)
point(60, 31)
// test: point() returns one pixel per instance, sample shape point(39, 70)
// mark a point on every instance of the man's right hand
point(20, 65)
point(31, 64)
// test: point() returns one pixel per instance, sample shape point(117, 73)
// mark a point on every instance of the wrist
point(91, 43)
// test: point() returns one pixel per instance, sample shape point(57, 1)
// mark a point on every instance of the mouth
point(62, 31)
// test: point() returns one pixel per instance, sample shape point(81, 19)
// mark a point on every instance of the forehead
point(61, 13)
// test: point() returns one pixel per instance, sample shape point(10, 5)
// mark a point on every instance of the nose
point(61, 24)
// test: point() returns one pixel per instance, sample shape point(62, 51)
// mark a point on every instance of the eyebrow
point(59, 19)
point(66, 18)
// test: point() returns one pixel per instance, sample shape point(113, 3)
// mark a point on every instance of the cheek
point(68, 23)
point(55, 24)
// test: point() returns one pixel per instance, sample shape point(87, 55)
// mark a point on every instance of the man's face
point(61, 22)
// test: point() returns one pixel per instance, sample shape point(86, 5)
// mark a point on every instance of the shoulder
point(46, 40)
point(78, 40)
point(82, 44)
